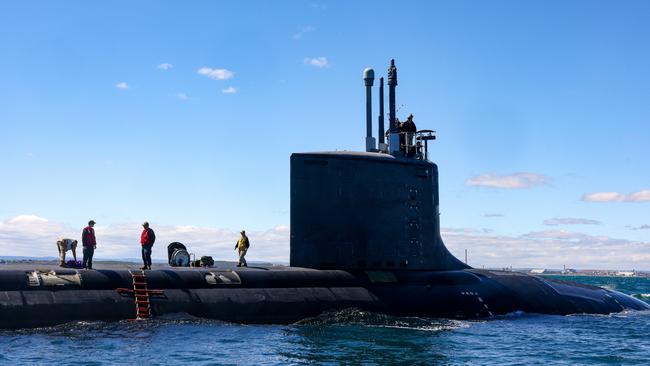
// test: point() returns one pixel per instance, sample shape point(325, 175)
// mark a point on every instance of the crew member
point(409, 130)
point(147, 238)
point(409, 125)
point(89, 243)
point(242, 246)
point(64, 245)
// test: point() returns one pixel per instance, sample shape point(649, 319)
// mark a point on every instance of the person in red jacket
point(89, 243)
point(147, 238)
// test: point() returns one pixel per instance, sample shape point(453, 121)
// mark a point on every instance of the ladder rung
point(141, 294)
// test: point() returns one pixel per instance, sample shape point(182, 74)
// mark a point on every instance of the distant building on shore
point(631, 273)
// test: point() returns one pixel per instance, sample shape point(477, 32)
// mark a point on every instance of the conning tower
point(372, 210)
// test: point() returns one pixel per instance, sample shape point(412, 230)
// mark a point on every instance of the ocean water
point(350, 337)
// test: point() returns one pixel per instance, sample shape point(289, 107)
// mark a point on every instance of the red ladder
point(141, 295)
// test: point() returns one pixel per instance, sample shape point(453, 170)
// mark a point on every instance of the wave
point(358, 317)
point(609, 286)
point(80, 327)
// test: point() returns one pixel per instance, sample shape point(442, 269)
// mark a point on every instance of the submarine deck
point(39, 294)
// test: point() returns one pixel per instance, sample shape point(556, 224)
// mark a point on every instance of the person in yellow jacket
point(242, 246)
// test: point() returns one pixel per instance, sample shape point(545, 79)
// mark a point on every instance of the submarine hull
point(282, 296)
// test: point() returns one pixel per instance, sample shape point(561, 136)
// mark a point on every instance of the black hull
point(289, 295)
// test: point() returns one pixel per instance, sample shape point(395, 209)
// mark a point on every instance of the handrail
point(416, 144)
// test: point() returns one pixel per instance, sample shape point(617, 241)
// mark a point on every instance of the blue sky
point(185, 114)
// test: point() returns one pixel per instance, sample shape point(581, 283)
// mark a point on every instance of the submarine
point(364, 233)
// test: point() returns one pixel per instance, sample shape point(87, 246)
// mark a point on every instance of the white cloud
point(34, 236)
point(26, 219)
point(282, 229)
point(229, 90)
point(640, 196)
point(603, 197)
point(182, 96)
point(491, 215)
point(165, 66)
point(548, 249)
point(642, 227)
point(123, 85)
point(513, 181)
point(319, 62)
point(216, 74)
point(302, 32)
point(570, 221)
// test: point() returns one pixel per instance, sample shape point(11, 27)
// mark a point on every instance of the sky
point(185, 115)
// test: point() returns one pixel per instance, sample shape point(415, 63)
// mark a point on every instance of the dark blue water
point(349, 337)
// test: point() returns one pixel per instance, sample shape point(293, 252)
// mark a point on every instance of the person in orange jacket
point(147, 238)
point(89, 243)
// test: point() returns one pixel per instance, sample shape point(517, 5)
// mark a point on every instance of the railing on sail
point(416, 144)
point(423, 137)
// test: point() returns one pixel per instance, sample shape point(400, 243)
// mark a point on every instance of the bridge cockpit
point(410, 144)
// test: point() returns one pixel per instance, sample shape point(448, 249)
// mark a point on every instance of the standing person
point(409, 125)
point(242, 245)
point(147, 238)
point(64, 245)
point(410, 129)
point(89, 243)
point(402, 136)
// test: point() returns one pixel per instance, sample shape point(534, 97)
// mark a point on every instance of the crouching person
point(64, 245)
